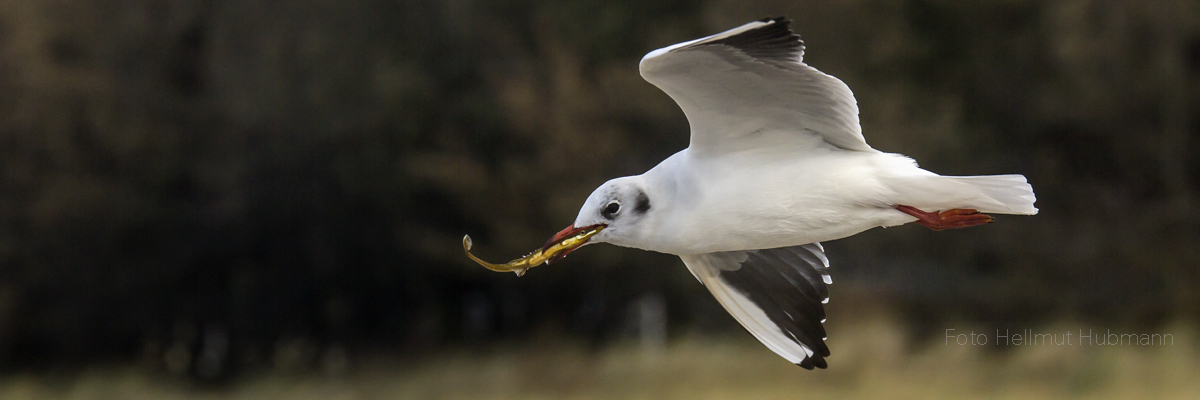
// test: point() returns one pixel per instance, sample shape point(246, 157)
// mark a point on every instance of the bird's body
point(777, 163)
point(771, 199)
point(786, 195)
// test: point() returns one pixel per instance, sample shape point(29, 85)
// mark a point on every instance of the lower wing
point(776, 294)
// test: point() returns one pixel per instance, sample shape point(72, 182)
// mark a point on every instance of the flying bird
point(776, 164)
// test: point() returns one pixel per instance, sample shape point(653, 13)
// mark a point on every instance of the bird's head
point(615, 213)
point(617, 209)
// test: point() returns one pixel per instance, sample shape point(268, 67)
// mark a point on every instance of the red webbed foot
point(949, 219)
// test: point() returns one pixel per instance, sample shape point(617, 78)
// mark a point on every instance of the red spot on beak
point(567, 232)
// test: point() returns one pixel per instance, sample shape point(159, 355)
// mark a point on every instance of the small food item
point(539, 256)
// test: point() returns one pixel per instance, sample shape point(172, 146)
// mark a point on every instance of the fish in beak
point(562, 243)
point(569, 239)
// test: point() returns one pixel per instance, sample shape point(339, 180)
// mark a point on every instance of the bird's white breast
point(770, 198)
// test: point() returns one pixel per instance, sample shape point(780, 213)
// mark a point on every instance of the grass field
point(872, 359)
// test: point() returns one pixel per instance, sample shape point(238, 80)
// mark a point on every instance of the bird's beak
point(569, 239)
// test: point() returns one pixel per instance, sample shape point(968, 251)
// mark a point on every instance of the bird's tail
point(997, 194)
point(1000, 194)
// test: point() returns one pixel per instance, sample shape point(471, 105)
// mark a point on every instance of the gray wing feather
point(752, 79)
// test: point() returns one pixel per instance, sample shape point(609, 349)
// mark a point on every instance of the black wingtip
point(813, 362)
point(776, 41)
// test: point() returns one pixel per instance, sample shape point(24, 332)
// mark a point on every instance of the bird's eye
point(611, 209)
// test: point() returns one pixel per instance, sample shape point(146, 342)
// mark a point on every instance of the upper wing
point(777, 294)
point(751, 79)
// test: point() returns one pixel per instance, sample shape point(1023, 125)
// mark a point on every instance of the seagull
point(776, 164)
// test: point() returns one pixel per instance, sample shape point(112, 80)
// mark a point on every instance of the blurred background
point(257, 198)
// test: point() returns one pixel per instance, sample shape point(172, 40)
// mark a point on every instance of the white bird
point(777, 164)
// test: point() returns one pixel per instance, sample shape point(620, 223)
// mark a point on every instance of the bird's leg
point(949, 219)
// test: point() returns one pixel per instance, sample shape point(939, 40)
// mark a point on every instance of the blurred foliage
point(876, 364)
point(211, 185)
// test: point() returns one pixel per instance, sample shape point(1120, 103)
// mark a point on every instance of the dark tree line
point(210, 185)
